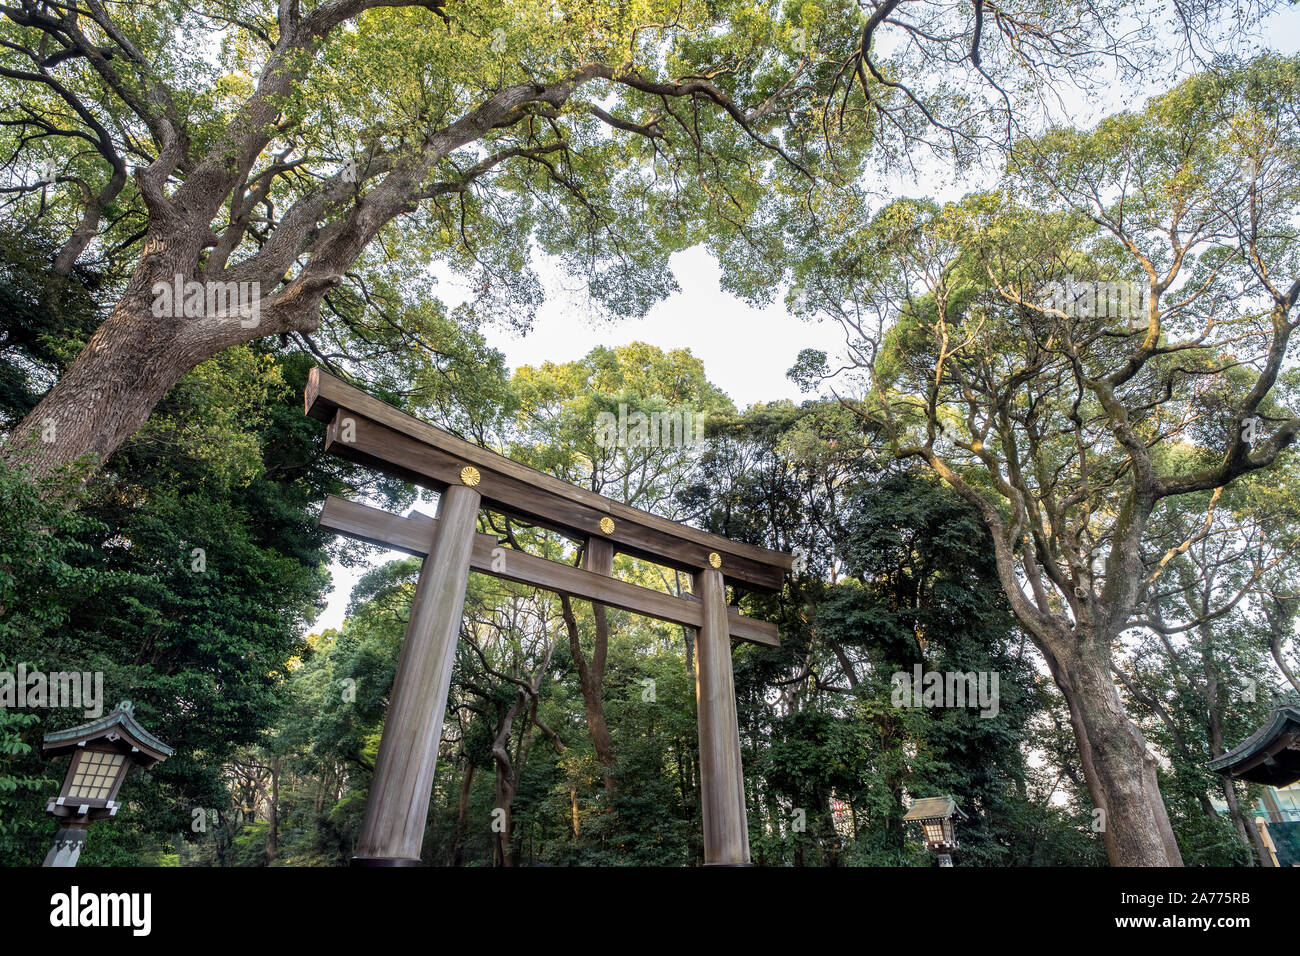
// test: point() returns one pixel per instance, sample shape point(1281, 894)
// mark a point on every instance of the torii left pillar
point(722, 781)
point(408, 751)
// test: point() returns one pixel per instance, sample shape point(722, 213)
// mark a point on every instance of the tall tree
point(894, 570)
point(1197, 665)
point(268, 166)
point(1070, 420)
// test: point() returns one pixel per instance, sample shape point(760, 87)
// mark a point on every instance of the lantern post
point(937, 816)
point(103, 751)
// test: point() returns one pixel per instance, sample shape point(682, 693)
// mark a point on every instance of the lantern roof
point(934, 808)
point(119, 726)
point(1271, 755)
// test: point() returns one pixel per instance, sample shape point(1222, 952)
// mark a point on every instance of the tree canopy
point(1057, 449)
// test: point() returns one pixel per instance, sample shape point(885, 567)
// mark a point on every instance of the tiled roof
point(930, 808)
point(123, 716)
point(1245, 760)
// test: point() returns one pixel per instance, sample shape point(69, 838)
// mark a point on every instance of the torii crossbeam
point(363, 429)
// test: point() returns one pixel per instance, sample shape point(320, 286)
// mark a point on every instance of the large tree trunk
point(593, 700)
point(1245, 828)
point(1118, 767)
point(273, 814)
point(591, 680)
point(131, 361)
point(107, 393)
point(1245, 825)
point(462, 815)
point(507, 780)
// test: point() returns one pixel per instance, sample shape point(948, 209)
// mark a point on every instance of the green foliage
point(184, 575)
point(191, 568)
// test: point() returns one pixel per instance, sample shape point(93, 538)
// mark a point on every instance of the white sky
point(745, 351)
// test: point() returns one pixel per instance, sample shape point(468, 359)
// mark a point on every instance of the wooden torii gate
point(365, 430)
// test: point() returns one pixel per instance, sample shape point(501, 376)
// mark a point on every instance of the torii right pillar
point(722, 782)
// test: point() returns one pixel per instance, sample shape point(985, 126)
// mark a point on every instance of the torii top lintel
point(373, 433)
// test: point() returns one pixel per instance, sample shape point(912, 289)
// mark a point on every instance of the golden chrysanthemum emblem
point(469, 476)
point(715, 559)
point(607, 525)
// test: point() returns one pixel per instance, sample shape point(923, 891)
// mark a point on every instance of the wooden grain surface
point(398, 804)
point(403, 446)
point(412, 533)
point(722, 782)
